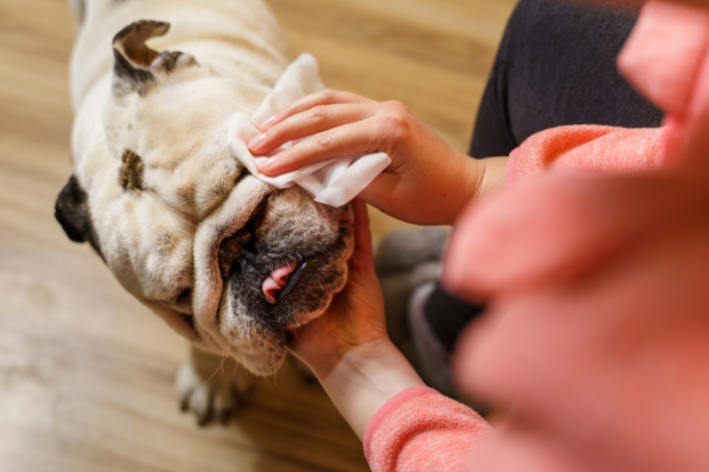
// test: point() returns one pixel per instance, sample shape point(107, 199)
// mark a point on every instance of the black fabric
point(447, 316)
point(556, 66)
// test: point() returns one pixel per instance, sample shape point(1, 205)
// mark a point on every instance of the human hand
point(348, 348)
point(596, 287)
point(355, 319)
point(428, 181)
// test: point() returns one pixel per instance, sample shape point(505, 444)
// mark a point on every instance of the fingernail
point(268, 164)
point(257, 141)
point(267, 124)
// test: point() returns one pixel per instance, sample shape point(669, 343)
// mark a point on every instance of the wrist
point(362, 380)
point(493, 174)
point(472, 178)
point(466, 176)
point(355, 358)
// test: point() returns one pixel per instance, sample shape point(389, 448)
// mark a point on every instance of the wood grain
point(86, 372)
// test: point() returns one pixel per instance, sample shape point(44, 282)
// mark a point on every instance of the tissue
point(334, 182)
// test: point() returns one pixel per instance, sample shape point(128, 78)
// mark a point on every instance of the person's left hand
point(428, 182)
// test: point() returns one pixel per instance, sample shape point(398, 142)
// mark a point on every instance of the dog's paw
point(214, 398)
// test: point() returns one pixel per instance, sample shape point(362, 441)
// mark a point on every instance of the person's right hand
point(348, 348)
point(428, 181)
point(354, 321)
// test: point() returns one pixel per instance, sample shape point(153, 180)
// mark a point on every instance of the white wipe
point(334, 182)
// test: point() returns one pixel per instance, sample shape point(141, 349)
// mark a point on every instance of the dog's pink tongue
point(277, 280)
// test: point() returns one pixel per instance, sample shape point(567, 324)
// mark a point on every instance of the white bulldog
point(228, 261)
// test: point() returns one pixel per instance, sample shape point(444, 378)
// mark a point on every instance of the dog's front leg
point(211, 386)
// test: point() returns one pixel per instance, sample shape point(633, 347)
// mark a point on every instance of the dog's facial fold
point(285, 231)
point(241, 247)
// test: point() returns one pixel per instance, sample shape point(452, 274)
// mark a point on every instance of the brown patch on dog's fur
point(131, 173)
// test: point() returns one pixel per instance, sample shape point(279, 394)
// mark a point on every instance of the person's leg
point(556, 66)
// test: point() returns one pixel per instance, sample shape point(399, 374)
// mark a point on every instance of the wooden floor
point(85, 371)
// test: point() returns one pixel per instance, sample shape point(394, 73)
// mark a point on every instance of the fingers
point(361, 137)
point(559, 226)
point(325, 97)
point(363, 234)
point(314, 120)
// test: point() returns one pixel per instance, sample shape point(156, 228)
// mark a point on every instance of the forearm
point(362, 380)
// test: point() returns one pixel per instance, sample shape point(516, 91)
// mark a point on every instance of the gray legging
point(556, 66)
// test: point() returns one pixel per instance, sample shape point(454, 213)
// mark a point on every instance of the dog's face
point(228, 261)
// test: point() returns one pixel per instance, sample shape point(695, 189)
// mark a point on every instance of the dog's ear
point(132, 58)
point(72, 212)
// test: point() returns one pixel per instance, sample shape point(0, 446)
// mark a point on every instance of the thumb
point(361, 262)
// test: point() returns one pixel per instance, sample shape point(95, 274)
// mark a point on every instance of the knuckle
point(398, 107)
point(288, 158)
point(396, 123)
point(281, 131)
point(328, 94)
point(276, 130)
point(393, 123)
point(324, 140)
point(318, 113)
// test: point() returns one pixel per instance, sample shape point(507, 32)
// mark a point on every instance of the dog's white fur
point(164, 240)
